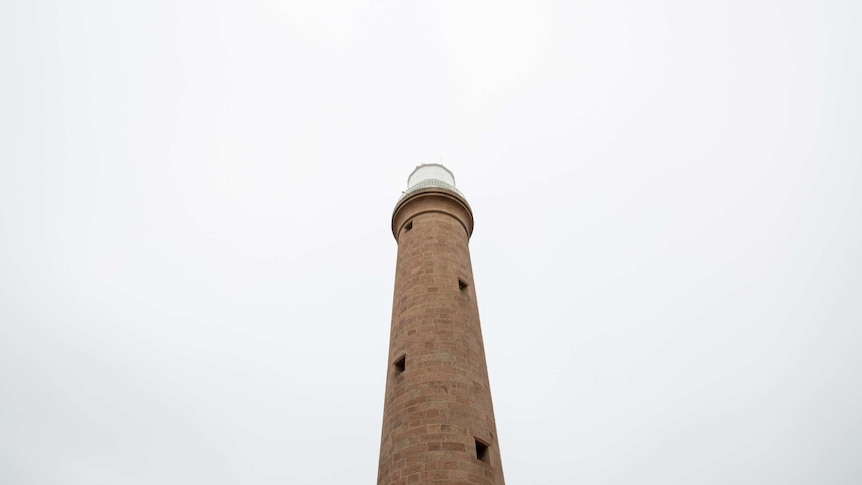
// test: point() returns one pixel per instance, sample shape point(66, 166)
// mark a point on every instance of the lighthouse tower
point(438, 420)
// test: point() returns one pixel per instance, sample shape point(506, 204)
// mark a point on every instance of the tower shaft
point(438, 421)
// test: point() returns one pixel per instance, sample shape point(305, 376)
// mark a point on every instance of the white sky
point(196, 266)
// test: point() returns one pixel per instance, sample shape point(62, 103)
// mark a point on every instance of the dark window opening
point(481, 450)
point(462, 285)
point(409, 226)
point(399, 364)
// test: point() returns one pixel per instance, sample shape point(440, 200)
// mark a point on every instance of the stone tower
point(438, 420)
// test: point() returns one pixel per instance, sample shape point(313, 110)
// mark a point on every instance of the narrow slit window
point(408, 227)
point(462, 285)
point(481, 450)
point(400, 364)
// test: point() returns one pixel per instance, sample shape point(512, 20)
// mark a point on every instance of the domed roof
point(431, 175)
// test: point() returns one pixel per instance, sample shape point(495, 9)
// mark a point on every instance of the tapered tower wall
point(438, 423)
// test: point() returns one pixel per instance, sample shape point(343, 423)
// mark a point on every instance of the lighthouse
point(438, 419)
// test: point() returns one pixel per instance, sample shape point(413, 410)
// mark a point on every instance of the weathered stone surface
point(439, 405)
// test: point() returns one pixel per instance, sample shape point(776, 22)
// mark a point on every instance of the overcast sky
point(196, 264)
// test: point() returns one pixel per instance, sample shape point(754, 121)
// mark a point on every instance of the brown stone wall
point(440, 404)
